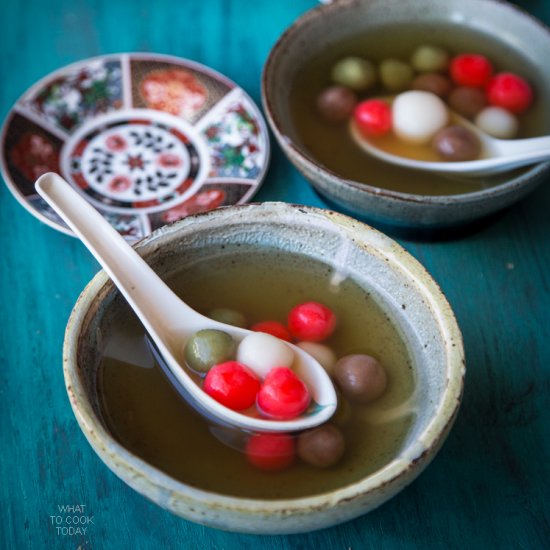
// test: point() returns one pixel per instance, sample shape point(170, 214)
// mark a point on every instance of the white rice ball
point(261, 352)
point(418, 116)
point(497, 122)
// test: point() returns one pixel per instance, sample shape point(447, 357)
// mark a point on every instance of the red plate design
point(147, 139)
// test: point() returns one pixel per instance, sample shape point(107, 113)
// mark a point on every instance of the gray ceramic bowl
point(329, 25)
point(402, 287)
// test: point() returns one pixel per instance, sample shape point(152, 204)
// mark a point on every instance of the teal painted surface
point(490, 485)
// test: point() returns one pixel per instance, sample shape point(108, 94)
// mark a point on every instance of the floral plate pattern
point(147, 139)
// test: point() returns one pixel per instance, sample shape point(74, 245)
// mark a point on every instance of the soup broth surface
point(332, 146)
point(148, 417)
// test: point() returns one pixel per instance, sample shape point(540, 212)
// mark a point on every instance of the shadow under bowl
point(401, 287)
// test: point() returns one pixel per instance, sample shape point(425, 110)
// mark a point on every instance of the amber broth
point(146, 415)
point(332, 146)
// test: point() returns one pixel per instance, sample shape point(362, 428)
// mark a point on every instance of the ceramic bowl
point(400, 285)
point(329, 25)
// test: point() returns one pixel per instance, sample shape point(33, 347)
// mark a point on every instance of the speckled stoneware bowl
point(401, 286)
point(327, 25)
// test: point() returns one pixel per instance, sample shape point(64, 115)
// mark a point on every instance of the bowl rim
point(426, 444)
point(324, 10)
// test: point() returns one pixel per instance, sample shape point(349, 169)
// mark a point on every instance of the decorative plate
point(146, 138)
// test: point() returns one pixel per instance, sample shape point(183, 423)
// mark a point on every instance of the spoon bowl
point(498, 155)
point(169, 321)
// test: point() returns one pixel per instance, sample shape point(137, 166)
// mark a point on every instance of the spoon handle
point(146, 293)
point(532, 149)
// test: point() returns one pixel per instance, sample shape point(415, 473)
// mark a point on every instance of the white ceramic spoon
point(168, 320)
point(499, 155)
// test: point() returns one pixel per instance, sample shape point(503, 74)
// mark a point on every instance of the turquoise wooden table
point(490, 485)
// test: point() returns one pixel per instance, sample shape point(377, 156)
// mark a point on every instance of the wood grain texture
point(489, 486)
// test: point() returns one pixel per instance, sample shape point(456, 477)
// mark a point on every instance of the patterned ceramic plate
point(147, 139)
